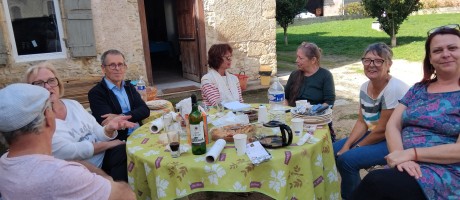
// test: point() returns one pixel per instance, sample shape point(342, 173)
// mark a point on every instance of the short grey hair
point(34, 127)
point(380, 49)
point(111, 52)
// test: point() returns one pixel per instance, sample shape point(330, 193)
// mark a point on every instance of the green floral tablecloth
point(158, 113)
point(294, 172)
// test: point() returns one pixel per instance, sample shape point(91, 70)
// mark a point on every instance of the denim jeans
point(355, 159)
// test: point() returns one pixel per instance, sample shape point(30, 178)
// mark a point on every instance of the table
point(158, 113)
point(294, 172)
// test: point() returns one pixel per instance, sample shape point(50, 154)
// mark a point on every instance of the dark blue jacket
point(103, 101)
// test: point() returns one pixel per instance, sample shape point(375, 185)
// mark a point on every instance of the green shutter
point(80, 31)
point(3, 51)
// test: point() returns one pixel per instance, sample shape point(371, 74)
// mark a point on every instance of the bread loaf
point(227, 132)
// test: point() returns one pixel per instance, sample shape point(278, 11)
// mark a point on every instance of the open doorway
point(175, 30)
point(163, 43)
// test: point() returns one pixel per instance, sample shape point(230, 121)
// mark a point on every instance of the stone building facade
point(249, 26)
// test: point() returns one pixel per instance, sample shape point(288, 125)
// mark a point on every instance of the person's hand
point(399, 156)
point(411, 167)
point(343, 150)
point(108, 117)
point(119, 123)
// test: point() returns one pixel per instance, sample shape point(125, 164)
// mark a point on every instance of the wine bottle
point(196, 129)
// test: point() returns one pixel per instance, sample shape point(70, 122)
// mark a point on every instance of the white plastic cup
point(297, 126)
point(262, 116)
point(240, 143)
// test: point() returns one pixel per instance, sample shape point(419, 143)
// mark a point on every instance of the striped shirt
point(211, 95)
point(387, 99)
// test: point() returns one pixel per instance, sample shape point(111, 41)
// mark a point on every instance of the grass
point(348, 38)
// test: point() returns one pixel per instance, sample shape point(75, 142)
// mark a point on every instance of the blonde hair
point(33, 71)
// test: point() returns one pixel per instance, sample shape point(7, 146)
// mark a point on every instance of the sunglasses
point(449, 26)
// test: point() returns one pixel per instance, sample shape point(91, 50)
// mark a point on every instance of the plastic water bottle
point(276, 100)
point(276, 95)
point(140, 87)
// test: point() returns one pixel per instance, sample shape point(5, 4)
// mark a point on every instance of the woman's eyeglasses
point(52, 82)
point(228, 58)
point(449, 26)
point(368, 61)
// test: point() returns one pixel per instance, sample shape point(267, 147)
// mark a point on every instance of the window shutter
point(3, 51)
point(80, 31)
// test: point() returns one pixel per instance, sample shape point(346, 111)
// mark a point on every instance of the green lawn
point(348, 38)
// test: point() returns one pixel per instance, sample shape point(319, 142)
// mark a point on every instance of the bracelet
point(416, 157)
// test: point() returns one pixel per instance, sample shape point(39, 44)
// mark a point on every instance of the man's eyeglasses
point(449, 26)
point(114, 65)
point(52, 82)
point(368, 61)
point(228, 58)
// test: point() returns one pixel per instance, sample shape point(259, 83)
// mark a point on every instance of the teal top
point(317, 88)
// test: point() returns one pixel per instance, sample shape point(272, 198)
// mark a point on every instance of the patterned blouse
point(433, 119)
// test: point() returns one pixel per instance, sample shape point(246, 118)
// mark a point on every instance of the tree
point(391, 13)
point(286, 10)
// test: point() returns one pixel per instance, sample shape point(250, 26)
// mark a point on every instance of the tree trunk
point(285, 36)
point(393, 36)
point(393, 40)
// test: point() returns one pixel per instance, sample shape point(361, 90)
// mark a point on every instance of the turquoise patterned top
point(433, 119)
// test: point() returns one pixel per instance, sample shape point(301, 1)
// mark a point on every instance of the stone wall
point(249, 27)
point(109, 32)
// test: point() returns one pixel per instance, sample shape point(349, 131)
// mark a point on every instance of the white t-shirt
point(388, 99)
point(74, 136)
point(45, 177)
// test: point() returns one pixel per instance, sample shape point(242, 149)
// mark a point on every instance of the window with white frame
point(35, 29)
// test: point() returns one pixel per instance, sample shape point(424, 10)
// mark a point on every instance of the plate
point(314, 119)
point(157, 104)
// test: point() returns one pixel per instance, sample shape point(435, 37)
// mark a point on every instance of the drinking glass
point(167, 119)
point(174, 143)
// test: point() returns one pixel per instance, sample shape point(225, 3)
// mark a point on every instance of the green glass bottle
point(196, 129)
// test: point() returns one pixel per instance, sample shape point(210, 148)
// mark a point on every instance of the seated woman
point(423, 133)
point(78, 136)
point(310, 81)
point(218, 85)
point(366, 145)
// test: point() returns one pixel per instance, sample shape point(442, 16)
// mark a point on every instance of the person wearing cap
point(113, 96)
point(28, 170)
point(78, 136)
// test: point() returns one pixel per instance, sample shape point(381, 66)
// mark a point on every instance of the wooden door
point(188, 31)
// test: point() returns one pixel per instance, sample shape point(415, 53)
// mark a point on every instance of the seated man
point(27, 123)
point(113, 96)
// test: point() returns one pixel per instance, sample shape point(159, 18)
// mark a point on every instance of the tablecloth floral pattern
point(294, 172)
point(158, 113)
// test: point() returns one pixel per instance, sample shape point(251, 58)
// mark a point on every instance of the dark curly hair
point(216, 53)
point(429, 74)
